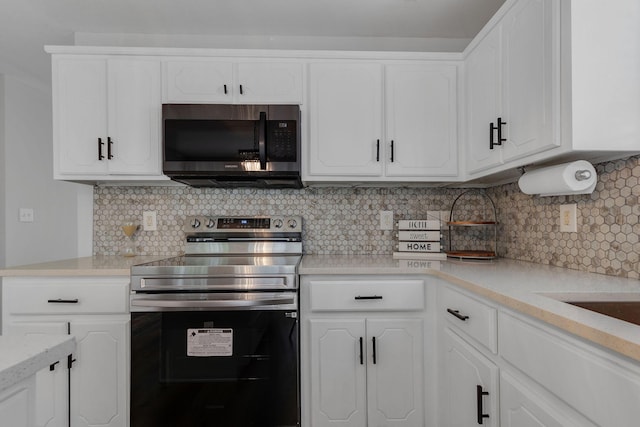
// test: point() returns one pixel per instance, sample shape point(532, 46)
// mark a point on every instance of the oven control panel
point(222, 224)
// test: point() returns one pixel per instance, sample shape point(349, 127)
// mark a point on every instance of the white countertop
point(115, 265)
point(533, 289)
point(23, 356)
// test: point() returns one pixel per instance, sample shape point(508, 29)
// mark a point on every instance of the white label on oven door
point(209, 342)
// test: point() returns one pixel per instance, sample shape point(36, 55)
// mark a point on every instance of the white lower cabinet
point(364, 353)
point(522, 407)
point(91, 388)
point(536, 376)
point(52, 390)
point(375, 364)
point(469, 384)
point(16, 404)
point(99, 375)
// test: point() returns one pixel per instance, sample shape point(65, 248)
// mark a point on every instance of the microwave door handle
point(262, 143)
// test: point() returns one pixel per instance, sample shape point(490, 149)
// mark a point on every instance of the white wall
point(63, 213)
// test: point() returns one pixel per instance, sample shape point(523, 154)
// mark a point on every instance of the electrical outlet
point(26, 215)
point(149, 221)
point(386, 220)
point(568, 218)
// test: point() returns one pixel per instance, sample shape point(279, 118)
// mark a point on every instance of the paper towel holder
point(573, 178)
point(580, 175)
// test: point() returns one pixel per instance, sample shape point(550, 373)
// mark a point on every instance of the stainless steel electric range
point(214, 333)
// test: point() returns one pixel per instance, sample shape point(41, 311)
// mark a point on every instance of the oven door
point(215, 368)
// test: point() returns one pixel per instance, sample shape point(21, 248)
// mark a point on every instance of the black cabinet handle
point(52, 367)
point(392, 151)
point(100, 144)
point(70, 361)
point(378, 150)
point(479, 394)
point(374, 349)
point(492, 143)
point(500, 138)
point(367, 297)
point(241, 90)
point(225, 89)
point(109, 145)
point(361, 352)
point(457, 314)
point(63, 301)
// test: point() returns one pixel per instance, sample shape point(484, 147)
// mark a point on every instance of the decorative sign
point(419, 224)
point(419, 246)
point(209, 342)
point(421, 235)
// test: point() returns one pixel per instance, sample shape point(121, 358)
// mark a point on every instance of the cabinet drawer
point(66, 296)
point(473, 317)
point(347, 295)
point(600, 386)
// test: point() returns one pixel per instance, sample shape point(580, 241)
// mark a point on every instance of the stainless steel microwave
point(216, 145)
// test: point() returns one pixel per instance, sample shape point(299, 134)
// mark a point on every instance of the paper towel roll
point(560, 180)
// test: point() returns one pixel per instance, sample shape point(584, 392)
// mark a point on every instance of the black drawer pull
point(359, 297)
point(63, 301)
point(52, 367)
point(457, 314)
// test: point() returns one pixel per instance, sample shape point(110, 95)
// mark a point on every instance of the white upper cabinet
point(421, 120)
point(512, 97)
point(106, 118)
point(376, 122)
point(553, 79)
point(530, 65)
point(197, 80)
point(345, 123)
point(207, 80)
point(483, 103)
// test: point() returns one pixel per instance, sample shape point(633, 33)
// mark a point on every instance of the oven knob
point(211, 223)
point(277, 223)
point(292, 223)
point(195, 223)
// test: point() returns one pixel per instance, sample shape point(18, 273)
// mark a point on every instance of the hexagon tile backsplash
point(346, 220)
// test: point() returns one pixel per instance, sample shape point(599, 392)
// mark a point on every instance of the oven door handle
point(197, 303)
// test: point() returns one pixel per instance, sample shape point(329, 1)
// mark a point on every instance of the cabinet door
point(80, 115)
point(421, 119)
point(268, 83)
point(345, 120)
point(521, 407)
point(51, 390)
point(338, 373)
point(395, 389)
point(16, 404)
point(530, 71)
point(198, 81)
point(483, 76)
point(134, 116)
point(99, 385)
point(464, 370)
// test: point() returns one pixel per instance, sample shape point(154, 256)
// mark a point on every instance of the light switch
point(26, 215)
